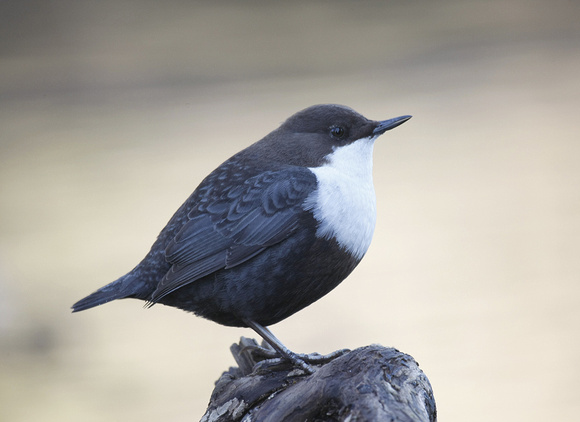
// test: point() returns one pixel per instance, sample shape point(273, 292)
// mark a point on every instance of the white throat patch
point(344, 203)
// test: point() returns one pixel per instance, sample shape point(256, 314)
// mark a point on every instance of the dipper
point(271, 230)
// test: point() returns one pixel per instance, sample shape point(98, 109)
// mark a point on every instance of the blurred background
point(111, 113)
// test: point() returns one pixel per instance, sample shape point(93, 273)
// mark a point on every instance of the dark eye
point(337, 132)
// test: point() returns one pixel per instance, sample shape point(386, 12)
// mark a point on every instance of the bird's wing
point(232, 227)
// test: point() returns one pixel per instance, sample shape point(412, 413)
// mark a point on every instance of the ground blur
point(113, 111)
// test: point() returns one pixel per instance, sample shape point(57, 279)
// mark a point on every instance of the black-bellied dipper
point(273, 229)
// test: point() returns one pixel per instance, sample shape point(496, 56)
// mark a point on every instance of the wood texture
point(372, 383)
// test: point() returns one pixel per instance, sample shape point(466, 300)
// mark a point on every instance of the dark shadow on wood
point(372, 383)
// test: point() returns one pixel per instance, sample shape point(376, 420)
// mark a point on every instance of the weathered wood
point(372, 383)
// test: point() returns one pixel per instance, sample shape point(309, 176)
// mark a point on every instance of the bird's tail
point(115, 290)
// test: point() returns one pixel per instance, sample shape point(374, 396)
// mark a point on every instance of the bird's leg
point(279, 347)
point(300, 360)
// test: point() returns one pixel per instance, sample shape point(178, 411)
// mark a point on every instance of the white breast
point(344, 202)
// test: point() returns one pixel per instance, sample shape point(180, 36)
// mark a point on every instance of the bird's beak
point(389, 124)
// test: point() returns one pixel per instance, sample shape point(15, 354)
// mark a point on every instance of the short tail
point(108, 293)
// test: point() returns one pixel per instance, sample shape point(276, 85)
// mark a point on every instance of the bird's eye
point(337, 131)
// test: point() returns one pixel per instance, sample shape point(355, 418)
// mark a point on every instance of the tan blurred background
point(111, 112)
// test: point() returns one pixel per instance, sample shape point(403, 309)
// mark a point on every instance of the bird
point(270, 231)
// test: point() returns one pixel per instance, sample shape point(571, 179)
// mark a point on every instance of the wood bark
point(372, 383)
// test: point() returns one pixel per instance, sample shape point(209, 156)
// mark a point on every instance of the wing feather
point(234, 225)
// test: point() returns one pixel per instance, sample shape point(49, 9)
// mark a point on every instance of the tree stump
point(372, 383)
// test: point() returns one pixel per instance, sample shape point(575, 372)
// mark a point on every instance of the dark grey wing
point(235, 226)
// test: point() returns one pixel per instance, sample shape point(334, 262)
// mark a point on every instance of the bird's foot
point(318, 359)
point(272, 348)
point(267, 358)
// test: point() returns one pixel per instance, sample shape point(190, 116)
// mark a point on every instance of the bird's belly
point(272, 286)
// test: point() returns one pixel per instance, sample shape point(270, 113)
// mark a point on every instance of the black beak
point(390, 124)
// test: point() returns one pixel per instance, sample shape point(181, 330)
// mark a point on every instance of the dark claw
point(318, 359)
point(268, 359)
